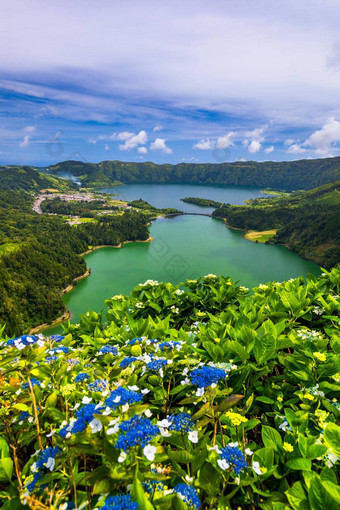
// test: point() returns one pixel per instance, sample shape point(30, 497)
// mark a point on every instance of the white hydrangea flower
point(149, 452)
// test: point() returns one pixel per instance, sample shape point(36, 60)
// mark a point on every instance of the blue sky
point(146, 80)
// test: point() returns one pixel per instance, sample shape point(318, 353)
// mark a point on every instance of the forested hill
point(285, 175)
point(307, 222)
point(26, 178)
point(40, 256)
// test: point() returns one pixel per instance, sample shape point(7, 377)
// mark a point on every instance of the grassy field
point(260, 237)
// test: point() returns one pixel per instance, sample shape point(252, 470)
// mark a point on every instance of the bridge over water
point(188, 214)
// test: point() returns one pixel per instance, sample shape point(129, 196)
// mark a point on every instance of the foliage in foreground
point(208, 397)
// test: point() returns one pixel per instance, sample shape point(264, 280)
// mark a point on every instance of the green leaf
point(181, 456)
point(316, 450)
point(271, 438)
point(265, 400)
point(138, 494)
point(229, 402)
point(299, 464)
point(264, 348)
point(6, 469)
point(318, 496)
point(21, 407)
point(297, 497)
point(332, 437)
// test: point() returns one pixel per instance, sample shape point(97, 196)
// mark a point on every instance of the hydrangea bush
point(207, 396)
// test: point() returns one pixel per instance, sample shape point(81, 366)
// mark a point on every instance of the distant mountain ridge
point(285, 175)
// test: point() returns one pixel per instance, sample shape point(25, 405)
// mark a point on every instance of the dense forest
point(40, 256)
point(285, 175)
point(306, 222)
point(202, 202)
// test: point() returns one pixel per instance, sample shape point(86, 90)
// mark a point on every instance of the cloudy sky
point(142, 80)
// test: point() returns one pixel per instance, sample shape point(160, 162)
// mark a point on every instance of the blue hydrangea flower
point(108, 349)
point(51, 359)
point(81, 377)
point(36, 477)
point(57, 338)
point(168, 345)
point(34, 382)
point(136, 431)
point(156, 364)
point(98, 385)
point(127, 361)
point(45, 455)
point(189, 494)
point(232, 456)
point(122, 396)
point(135, 341)
point(23, 415)
point(72, 362)
point(152, 486)
point(22, 341)
point(57, 350)
point(181, 422)
point(120, 502)
point(45, 461)
point(206, 376)
point(84, 416)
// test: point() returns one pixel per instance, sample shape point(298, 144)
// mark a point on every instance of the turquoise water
point(169, 195)
point(183, 247)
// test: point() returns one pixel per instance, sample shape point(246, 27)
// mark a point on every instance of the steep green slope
point(286, 175)
point(14, 178)
point(307, 222)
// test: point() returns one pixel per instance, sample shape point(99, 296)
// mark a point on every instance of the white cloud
point(242, 159)
point(28, 131)
point(132, 140)
point(157, 128)
point(270, 149)
point(107, 147)
point(160, 145)
point(204, 145)
point(256, 137)
point(254, 146)
point(323, 139)
point(223, 142)
point(295, 148)
point(142, 150)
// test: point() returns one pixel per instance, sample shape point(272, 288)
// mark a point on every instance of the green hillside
point(14, 178)
point(285, 175)
point(306, 222)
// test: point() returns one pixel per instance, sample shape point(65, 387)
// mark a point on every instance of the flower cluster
point(206, 376)
point(121, 396)
point(156, 364)
point(120, 502)
point(108, 349)
point(45, 461)
point(126, 362)
point(23, 341)
point(85, 415)
point(135, 431)
point(98, 385)
point(34, 382)
point(188, 494)
point(181, 422)
point(232, 457)
point(82, 376)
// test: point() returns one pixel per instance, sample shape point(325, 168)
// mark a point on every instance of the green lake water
point(183, 247)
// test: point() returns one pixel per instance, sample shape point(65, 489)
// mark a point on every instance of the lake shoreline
point(66, 315)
